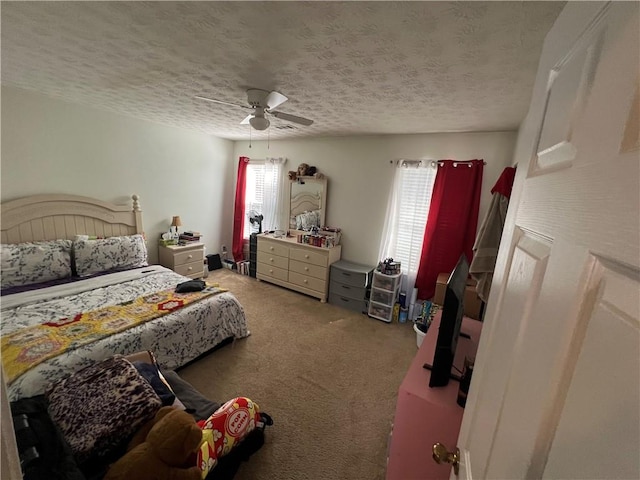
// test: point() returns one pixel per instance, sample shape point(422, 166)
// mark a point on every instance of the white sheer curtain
point(274, 198)
point(407, 211)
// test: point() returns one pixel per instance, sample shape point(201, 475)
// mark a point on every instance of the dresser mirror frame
point(306, 194)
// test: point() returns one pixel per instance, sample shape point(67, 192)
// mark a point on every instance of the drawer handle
point(345, 287)
point(306, 256)
point(306, 269)
point(190, 256)
point(271, 259)
point(190, 268)
point(346, 274)
point(270, 248)
point(306, 281)
point(270, 271)
point(344, 299)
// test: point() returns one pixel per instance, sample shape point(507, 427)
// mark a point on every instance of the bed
point(176, 337)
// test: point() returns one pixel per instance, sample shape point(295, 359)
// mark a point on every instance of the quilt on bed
point(175, 338)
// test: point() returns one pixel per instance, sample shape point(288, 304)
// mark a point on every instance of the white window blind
point(406, 219)
point(264, 194)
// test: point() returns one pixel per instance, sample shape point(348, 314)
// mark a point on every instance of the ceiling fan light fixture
point(259, 123)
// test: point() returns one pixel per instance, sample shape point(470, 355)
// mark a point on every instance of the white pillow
point(34, 262)
point(306, 220)
point(104, 254)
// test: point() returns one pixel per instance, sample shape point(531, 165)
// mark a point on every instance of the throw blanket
point(26, 348)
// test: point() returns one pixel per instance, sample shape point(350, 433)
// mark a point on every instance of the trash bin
point(213, 261)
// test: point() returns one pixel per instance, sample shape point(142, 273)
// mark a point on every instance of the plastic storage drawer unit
point(349, 284)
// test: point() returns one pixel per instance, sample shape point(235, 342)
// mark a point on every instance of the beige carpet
point(329, 377)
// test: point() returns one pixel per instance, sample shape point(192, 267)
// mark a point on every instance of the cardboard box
point(472, 303)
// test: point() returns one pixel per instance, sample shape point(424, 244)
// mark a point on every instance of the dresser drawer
point(274, 260)
point(307, 256)
point(189, 256)
point(351, 274)
point(349, 291)
point(307, 282)
point(190, 269)
point(348, 303)
point(271, 271)
point(308, 269)
point(273, 248)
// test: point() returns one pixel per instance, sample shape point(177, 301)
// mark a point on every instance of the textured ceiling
point(352, 67)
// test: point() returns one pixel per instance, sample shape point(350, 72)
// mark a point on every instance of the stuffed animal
point(303, 168)
point(293, 175)
point(168, 451)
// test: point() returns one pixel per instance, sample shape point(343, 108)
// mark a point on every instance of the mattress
point(175, 338)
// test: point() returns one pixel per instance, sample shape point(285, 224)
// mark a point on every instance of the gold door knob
point(442, 455)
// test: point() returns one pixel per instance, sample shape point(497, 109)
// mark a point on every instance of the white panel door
point(556, 388)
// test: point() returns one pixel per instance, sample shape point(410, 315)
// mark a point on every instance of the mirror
point(307, 202)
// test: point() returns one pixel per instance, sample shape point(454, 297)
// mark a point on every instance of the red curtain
point(451, 223)
point(238, 212)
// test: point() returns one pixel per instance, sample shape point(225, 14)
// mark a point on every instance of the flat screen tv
point(450, 321)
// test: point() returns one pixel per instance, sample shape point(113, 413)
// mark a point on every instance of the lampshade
point(176, 222)
point(259, 123)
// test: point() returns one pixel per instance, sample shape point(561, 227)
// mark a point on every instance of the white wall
point(50, 146)
point(360, 173)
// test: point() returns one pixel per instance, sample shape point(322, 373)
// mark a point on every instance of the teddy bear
point(164, 449)
point(293, 175)
point(304, 170)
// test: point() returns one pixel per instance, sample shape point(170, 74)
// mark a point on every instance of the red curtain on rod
point(451, 223)
point(238, 212)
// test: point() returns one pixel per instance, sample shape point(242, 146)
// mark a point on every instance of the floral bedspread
point(175, 338)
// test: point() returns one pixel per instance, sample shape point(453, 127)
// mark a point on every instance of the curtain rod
point(432, 163)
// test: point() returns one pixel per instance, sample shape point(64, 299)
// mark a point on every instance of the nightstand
point(187, 260)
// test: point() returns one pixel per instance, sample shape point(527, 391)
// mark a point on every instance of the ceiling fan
point(262, 104)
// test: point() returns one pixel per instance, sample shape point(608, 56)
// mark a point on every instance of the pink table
point(426, 415)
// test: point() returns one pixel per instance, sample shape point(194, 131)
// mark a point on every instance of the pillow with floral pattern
point(34, 262)
point(112, 253)
point(306, 220)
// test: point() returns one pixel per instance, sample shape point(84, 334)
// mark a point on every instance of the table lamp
point(175, 223)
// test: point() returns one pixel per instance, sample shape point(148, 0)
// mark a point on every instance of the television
point(450, 322)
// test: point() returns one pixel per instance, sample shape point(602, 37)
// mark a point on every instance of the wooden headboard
point(51, 217)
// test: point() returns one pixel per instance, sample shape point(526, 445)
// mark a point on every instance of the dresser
point(187, 260)
point(299, 267)
point(349, 285)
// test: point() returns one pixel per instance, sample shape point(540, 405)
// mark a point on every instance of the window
point(406, 218)
point(264, 194)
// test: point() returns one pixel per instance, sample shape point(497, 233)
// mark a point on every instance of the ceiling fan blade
point(275, 99)
point(246, 120)
point(292, 118)
point(220, 101)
